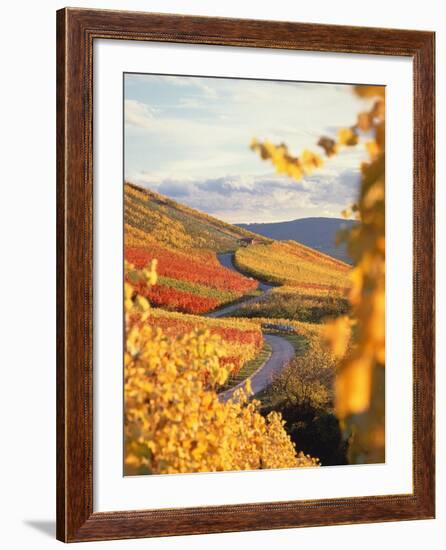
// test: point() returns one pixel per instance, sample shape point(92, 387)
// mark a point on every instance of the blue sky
point(188, 138)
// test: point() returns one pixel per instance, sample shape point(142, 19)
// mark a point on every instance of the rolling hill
point(317, 233)
point(186, 245)
point(176, 225)
point(174, 273)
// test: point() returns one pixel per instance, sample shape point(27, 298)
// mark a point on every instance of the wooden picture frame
point(77, 29)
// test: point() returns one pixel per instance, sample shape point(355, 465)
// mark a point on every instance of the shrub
point(174, 421)
point(303, 394)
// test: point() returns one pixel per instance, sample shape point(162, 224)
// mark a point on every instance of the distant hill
point(317, 233)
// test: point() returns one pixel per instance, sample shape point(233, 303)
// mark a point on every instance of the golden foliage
point(174, 421)
point(359, 341)
point(241, 340)
point(359, 385)
point(135, 303)
point(370, 91)
point(360, 382)
point(284, 162)
point(346, 136)
point(308, 379)
point(337, 335)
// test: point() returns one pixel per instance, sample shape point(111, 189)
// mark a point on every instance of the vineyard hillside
point(184, 243)
point(294, 267)
point(147, 212)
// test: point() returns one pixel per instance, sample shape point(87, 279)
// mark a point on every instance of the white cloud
point(138, 114)
point(261, 198)
point(189, 138)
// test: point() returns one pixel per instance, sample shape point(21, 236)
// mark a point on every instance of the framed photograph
point(245, 275)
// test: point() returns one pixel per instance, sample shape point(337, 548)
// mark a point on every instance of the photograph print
point(254, 274)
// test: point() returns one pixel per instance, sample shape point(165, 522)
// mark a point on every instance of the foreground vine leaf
point(359, 386)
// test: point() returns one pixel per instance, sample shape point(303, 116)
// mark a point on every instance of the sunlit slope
point(149, 214)
point(184, 242)
point(294, 266)
point(240, 339)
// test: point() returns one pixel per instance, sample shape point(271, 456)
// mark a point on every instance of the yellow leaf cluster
point(174, 421)
point(346, 136)
point(367, 297)
point(337, 335)
point(135, 303)
point(284, 162)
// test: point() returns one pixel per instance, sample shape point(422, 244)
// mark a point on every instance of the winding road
point(281, 349)
point(227, 260)
point(281, 352)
